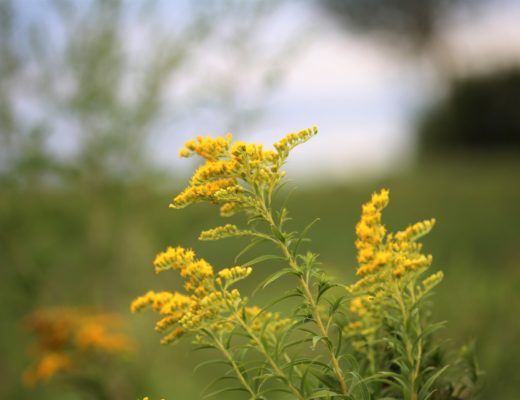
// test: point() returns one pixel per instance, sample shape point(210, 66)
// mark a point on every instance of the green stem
point(233, 363)
point(414, 364)
point(309, 298)
point(418, 333)
point(265, 353)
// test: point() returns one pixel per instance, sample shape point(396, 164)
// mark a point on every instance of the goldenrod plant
point(372, 339)
point(72, 344)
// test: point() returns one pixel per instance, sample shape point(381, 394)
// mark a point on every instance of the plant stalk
point(308, 296)
point(238, 373)
point(268, 357)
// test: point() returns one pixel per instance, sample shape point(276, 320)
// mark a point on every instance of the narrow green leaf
point(209, 362)
point(323, 393)
point(295, 343)
point(315, 341)
point(251, 245)
point(225, 390)
point(430, 381)
point(266, 257)
point(217, 380)
point(279, 299)
point(273, 277)
point(302, 235)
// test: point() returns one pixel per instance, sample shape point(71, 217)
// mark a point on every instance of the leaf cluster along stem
point(265, 353)
point(409, 324)
point(319, 322)
point(293, 264)
point(235, 367)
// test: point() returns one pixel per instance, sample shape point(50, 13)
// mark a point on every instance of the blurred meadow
point(98, 96)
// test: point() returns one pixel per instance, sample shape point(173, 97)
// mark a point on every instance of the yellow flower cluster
point(65, 333)
point(370, 233)
point(208, 148)
point(264, 322)
point(432, 280)
point(254, 165)
point(359, 305)
point(224, 231)
point(386, 260)
point(210, 304)
point(173, 258)
point(285, 145)
point(198, 273)
point(377, 251)
point(206, 306)
point(205, 192)
point(231, 171)
point(406, 250)
point(211, 170)
point(228, 276)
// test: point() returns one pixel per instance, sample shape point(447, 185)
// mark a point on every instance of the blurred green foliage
point(80, 212)
point(94, 246)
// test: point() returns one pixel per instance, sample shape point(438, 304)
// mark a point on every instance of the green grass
point(94, 245)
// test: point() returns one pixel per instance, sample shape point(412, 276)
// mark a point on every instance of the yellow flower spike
point(387, 262)
point(285, 145)
point(265, 322)
point(432, 280)
point(204, 192)
point(207, 147)
point(359, 305)
point(371, 233)
point(173, 258)
point(229, 209)
point(204, 307)
point(142, 301)
point(173, 336)
point(211, 171)
point(221, 232)
point(168, 321)
point(185, 153)
point(233, 169)
point(234, 274)
point(380, 200)
point(416, 231)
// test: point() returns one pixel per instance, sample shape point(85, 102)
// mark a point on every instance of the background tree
point(415, 27)
point(480, 113)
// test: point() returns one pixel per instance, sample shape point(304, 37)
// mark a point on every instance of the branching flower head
point(208, 303)
point(232, 171)
point(388, 262)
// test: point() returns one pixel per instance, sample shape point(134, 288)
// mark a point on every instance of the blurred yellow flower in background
point(66, 338)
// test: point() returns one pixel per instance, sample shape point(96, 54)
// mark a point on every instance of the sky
point(362, 95)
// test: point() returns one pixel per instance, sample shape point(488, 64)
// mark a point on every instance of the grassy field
point(92, 244)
